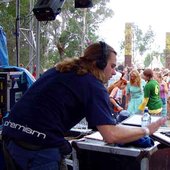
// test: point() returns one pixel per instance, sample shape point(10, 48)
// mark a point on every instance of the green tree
point(8, 21)
point(154, 54)
point(141, 41)
point(71, 31)
point(148, 60)
point(75, 28)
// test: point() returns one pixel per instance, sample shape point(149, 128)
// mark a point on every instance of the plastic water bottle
point(146, 118)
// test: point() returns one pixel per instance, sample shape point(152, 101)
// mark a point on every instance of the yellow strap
point(143, 104)
point(155, 112)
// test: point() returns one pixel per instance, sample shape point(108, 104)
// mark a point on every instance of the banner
point(167, 50)
point(168, 42)
point(128, 39)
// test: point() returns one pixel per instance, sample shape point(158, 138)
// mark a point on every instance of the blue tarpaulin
point(3, 49)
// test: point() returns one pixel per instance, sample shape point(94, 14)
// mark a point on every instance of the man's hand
point(154, 126)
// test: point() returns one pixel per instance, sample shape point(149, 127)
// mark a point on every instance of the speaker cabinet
point(83, 3)
point(47, 10)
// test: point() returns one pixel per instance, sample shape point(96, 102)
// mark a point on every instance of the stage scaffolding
point(32, 36)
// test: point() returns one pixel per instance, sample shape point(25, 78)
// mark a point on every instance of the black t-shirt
point(54, 104)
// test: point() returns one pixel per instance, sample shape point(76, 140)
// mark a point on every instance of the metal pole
point(17, 32)
point(84, 30)
point(31, 47)
point(37, 49)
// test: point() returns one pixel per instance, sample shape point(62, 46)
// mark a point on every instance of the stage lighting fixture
point(83, 3)
point(47, 10)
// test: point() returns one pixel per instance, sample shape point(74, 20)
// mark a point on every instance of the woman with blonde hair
point(134, 91)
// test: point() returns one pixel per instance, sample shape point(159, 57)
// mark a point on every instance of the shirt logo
point(25, 129)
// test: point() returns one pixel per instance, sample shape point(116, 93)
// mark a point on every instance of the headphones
point(102, 61)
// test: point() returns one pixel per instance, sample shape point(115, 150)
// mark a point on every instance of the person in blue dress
point(34, 132)
point(134, 91)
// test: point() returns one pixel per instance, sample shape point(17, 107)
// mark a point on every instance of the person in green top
point(151, 94)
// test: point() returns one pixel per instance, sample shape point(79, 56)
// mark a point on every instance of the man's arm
point(124, 134)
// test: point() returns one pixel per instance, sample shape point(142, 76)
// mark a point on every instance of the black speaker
point(102, 61)
point(83, 3)
point(47, 10)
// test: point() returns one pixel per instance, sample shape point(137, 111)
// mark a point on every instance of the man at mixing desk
point(33, 133)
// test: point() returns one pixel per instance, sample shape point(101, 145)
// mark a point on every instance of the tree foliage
point(142, 44)
point(8, 20)
point(66, 36)
point(154, 54)
point(142, 41)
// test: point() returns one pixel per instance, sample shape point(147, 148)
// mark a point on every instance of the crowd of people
point(138, 91)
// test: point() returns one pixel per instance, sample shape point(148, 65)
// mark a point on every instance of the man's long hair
point(86, 63)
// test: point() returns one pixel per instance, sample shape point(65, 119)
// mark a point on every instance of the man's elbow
point(112, 139)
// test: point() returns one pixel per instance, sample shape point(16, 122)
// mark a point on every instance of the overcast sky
point(145, 13)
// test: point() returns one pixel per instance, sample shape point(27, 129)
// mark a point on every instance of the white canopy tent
point(156, 63)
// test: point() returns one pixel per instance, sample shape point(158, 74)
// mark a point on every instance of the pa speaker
point(47, 10)
point(83, 3)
